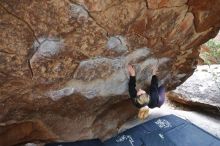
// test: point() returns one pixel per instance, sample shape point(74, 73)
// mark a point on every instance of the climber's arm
point(132, 82)
point(154, 82)
point(132, 85)
point(154, 79)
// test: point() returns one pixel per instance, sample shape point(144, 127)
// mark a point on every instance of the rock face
point(64, 62)
point(16, 133)
point(202, 89)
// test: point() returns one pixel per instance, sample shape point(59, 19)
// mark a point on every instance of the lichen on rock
point(117, 43)
point(103, 77)
point(79, 13)
point(47, 48)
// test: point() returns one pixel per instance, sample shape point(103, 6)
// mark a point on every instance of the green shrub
point(213, 55)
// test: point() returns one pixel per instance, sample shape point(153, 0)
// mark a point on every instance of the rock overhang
point(66, 61)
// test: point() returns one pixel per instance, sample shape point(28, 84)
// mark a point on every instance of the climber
point(140, 98)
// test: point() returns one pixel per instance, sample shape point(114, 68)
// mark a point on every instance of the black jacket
point(153, 92)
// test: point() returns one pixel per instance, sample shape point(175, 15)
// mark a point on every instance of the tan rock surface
point(64, 62)
point(22, 132)
point(201, 90)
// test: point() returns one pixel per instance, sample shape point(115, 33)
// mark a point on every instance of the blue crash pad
point(93, 142)
point(164, 131)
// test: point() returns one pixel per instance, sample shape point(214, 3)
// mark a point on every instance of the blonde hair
point(143, 113)
point(143, 99)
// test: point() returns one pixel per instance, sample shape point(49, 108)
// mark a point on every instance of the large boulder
point(64, 62)
point(201, 90)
